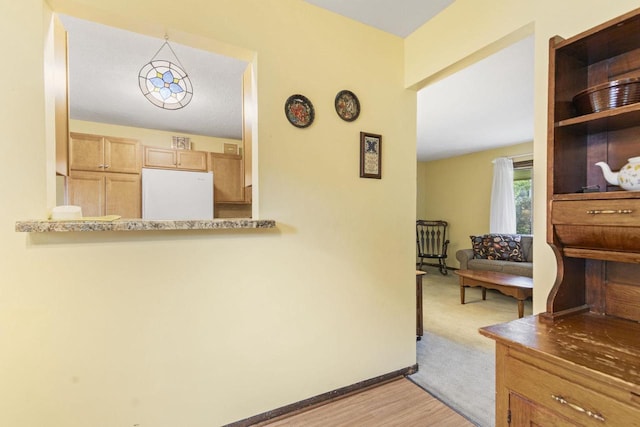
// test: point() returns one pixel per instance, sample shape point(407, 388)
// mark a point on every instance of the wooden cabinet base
point(232, 210)
point(103, 193)
point(228, 177)
point(581, 370)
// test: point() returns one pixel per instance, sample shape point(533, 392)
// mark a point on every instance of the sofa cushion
point(526, 241)
point(508, 267)
point(504, 247)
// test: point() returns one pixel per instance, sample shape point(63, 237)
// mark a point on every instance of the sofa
point(506, 253)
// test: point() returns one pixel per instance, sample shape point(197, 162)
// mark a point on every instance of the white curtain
point(503, 205)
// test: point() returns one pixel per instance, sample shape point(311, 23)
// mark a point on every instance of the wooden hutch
point(578, 364)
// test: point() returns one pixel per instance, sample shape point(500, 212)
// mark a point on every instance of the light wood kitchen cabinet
point(99, 193)
point(167, 158)
point(576, 364)
point(104, 154)
point(228, 178)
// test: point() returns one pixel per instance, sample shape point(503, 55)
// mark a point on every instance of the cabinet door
point(86, 152)
point(228, 178)
point(159, 158)
point(192, 160)
point(527, 413)
point(121, 155)
point(123, 195)
point(86, 189)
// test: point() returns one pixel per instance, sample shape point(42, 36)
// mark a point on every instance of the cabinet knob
point(575, 407)
point(609, 211)
point(106, 166)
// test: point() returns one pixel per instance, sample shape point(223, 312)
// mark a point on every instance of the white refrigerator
point(180, 195)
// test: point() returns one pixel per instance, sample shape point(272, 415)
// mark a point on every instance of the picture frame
point(370, 155)
point(181, 143)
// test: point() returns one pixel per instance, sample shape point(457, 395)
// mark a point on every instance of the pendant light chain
point(164, 83)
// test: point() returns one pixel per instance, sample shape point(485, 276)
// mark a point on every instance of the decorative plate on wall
point(347, 105)
point(299, 111)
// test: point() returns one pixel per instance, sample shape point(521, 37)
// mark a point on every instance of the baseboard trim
point(323, 398)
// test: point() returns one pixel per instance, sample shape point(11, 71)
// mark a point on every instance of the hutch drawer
point(610, 225)
point(590, 405)
point(618, 212)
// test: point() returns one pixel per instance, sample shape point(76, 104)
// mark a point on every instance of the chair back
point(431, 238)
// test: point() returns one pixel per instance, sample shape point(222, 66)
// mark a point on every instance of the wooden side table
point(419, 329)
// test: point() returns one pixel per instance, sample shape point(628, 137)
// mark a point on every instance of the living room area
point(456, 176)
point(457, 364)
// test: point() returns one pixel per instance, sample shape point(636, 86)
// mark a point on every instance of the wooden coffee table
point(518, 287)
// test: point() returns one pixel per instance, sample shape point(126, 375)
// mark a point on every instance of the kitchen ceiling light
point(164, 83)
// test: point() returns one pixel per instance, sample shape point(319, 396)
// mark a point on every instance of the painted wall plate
point(299, 111)
point(347, 105)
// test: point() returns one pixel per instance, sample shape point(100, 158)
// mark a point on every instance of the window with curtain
point(523, 194)
point(503, 215)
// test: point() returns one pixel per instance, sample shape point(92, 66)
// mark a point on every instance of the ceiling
point(104, 63)
point(399, 17)
point(487, 105)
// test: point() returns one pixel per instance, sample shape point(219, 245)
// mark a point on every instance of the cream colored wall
point(152, 137)
point(469, 30)
point(458, 190)
point(169, 329)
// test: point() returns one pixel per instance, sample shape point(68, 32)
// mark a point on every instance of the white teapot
point(628, 177)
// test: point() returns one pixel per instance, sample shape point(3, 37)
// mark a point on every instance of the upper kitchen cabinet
point(165, 158)
point(103, 154)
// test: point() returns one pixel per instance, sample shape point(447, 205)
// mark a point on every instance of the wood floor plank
point(397, 403)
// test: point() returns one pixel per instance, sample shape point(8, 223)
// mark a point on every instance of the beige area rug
point(456, 363)
point(445, 316)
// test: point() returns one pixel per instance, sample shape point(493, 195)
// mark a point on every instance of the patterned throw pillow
point(478, 246)
point(503, 247)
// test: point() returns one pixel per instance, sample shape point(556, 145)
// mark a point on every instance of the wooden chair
point(432, 242)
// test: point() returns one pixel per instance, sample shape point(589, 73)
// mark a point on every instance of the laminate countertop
point(46, 226)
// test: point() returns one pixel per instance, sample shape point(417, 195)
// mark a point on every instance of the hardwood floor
point(396, 403)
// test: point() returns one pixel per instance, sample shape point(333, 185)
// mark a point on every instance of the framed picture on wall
point(370, 155)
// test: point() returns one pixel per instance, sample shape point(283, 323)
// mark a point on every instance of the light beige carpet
point(456, 363)
point(445, 316)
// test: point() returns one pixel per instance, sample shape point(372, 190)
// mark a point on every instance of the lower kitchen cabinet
point(100, 193)
point(228, 178)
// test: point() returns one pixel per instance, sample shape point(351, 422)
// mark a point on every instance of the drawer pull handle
point(609, 211)
point(573, 406)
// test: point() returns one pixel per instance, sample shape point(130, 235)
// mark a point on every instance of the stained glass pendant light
point(164, 83)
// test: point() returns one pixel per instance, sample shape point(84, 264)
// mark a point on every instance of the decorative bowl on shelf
point(605, 96)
